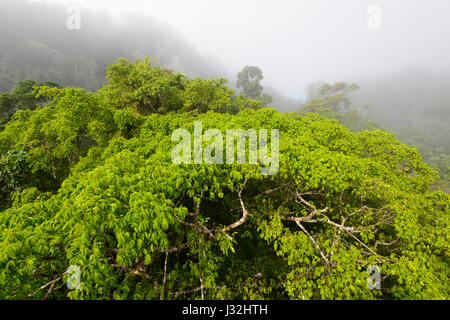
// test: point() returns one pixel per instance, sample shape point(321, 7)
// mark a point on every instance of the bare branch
point(313, 241)
point(363, 244)
point(387, 244)
point(307, 218)
point(135, 272)
point(340, 226)
point(164, 278)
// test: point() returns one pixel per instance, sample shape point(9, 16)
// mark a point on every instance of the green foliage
point(145, 88)
point(53, 137)
point(248, 79)
point(204, 95)
point(142, 227)
point(333, 101)
point(435, 151)
point(330, 98)
point(14, 175)
point(413, 104)
point(22, 97)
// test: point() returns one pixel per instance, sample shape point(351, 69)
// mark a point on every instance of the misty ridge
point(413, 102)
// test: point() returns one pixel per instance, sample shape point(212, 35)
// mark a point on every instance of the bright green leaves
point(133, 220)
point(55, 136)
point(420, 276)
point(149, 217)
point(225, 243)
point(204, 95)
point(127, 121)
point(126, 205)
point(144, 88)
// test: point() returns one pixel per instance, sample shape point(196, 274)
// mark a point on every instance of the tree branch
point(313, 241)
point(164, 278)
point(244, 211)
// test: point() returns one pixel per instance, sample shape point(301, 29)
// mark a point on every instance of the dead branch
point(314, 242)
point(51, 284)
point(179, 293)
point(173, 249)
point(164, 278)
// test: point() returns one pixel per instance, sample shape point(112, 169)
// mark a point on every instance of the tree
point(69, 121)
point(204, 95)
point(227, 230)
point(52, 138)
point(248, 79)
point(333, 101)
point(145, 88)
point(141, 227)
point(330, 98)
point(22, 97)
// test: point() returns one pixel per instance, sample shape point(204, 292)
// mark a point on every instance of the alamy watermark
point(74, 17)
point(373, 21)
point(374, 280)
point(213, 152)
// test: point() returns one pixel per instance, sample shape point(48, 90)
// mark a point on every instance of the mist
point(35, 43)
point(396, 51)
point(295, 43)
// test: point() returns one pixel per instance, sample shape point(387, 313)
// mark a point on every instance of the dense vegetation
point(88, 180)
point(21, 97)
point(412, 104)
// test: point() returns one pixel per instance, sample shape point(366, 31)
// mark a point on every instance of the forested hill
point(37, 47)
point(36, 44)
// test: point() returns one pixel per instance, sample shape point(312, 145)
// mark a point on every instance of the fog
point(36, 43)
point(295, 43)
point(299, 42)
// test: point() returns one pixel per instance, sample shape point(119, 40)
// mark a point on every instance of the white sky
point(296, 42)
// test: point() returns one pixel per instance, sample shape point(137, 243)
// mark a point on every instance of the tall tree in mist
point(248, 79)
